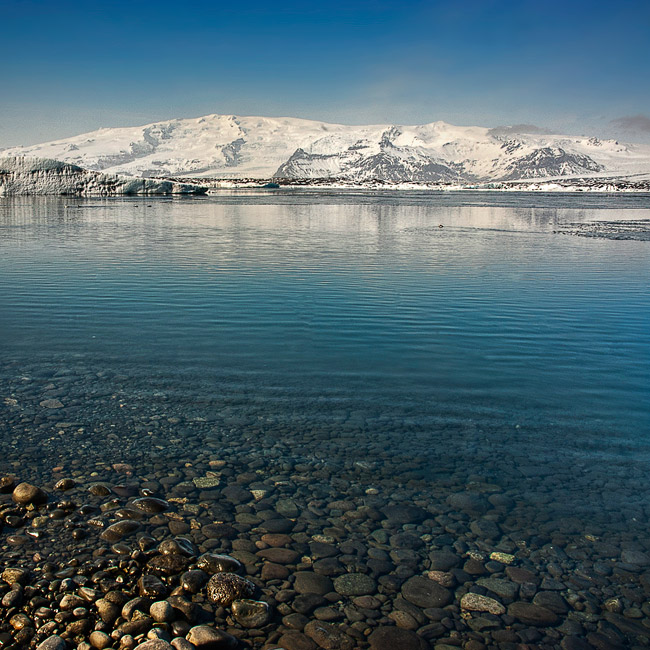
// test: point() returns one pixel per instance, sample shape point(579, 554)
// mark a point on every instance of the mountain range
point(232, 147)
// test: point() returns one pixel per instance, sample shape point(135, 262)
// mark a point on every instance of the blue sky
point(69, 67)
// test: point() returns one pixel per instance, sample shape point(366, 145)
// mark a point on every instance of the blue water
point(316, 311)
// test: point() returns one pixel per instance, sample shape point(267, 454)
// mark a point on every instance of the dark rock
point(405, 514)
point(307, 603)
point(168, 565)
point(209, 638)
point(443, 560)
point(216, 563)
point(551, 600)
point(355, 584)
point(151, 586)
point(310, 582)
point(468, 502)
point(531, 614)
point(194, 581)
point(25, 493)
point(223, 588)
point(426, 593)
point(115, 532)
point(53, 642)
point(277, 526)
point(296, 641)
point(108, 611)
point(394, 638)
point(328, 636)
point(150, 505)
point(279, 555)
point(251, 613)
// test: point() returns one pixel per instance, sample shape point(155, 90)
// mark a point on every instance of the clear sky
point(573, 66)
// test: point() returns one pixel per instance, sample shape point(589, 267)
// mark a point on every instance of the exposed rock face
point(20, 175)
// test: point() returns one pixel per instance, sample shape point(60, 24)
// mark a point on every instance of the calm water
point(338, 323)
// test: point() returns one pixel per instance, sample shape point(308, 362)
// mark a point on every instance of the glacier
point(24, 175)
point(235, 147)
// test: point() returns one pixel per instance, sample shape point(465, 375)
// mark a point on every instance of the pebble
point(310, 582)
point(354, 584)
point(426, 593)
point(53, 642)
point(251, 613)
point(25, 493)
point(394, 638)
point(209, 638)
point(328, 636)
point(223, 588)
point(478, 603)
point(531, 614)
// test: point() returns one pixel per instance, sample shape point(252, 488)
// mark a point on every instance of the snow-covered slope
point(19, 175)
point(226, 146)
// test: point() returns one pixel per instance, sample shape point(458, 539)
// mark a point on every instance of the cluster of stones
point(137, 574)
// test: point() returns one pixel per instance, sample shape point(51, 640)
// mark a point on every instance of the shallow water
point(346, 335)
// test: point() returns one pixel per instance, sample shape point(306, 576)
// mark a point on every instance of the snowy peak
point(229, 146)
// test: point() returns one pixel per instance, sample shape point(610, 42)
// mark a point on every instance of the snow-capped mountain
point(226, 146)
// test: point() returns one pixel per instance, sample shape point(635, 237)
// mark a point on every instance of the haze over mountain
point(228, 146)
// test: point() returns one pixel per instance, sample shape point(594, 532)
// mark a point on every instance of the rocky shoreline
point(236, 559)
point(460, 537)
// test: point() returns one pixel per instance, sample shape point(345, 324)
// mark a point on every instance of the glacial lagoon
point(376, 384)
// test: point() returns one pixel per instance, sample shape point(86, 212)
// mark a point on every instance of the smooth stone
point(107, 611)
point(51, 404)
point(223, 588)
point(251, 613)
point(12, 575)
point(502, 588)
point(405, 514)
point(520, 575)
point(177, 546)
point(271, 571)
point(115, 532)
point(277, 526)
point(478, 603)
point(575, 643)
point(151, 505)
point(468, 502)
point(26, 493)
point(216, 563)
point(443, 560)
point(426, 593)
point(328, 636)
point(307, 603)
point(551, 600)
point(279, 555)
point(206, 482)
point(531, 614)
point(179, 643)
point(99, 640)
point(635, 557)
point(296, 641)
point(151, 586)
point(54, 642)
point(161, 611)
point(154, 644)
point(310, 582)
point(193, 581)
point(395, 638)
point(354, 584)
point(209, 638)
